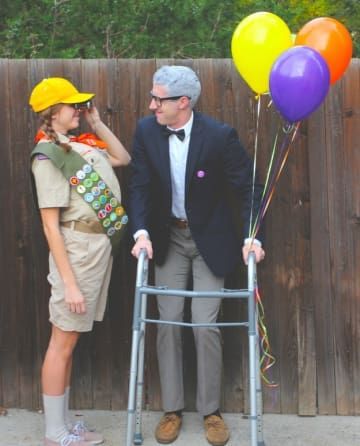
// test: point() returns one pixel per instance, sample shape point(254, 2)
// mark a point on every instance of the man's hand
point(252, 247)
point(142, 242)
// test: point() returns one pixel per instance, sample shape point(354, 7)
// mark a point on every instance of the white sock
point(55, 428)
point(68, 421)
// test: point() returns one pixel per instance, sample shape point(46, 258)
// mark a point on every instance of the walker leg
point(252, 351)
point(137, 358)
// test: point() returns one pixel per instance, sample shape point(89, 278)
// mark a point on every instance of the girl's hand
point(92, 117)
point(74, 299)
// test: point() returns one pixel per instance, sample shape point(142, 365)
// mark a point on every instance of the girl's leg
point(56, 371)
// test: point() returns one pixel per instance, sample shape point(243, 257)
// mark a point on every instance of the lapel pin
point(200, 174)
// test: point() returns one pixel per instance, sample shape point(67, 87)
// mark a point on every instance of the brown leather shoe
point(217, 433)
point(168, 428)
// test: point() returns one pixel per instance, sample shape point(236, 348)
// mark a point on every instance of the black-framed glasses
point(159, 101)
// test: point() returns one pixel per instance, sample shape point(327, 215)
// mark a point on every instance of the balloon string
point(258, 98)
point(273, 151)
point(267, 359)
point(279, 165)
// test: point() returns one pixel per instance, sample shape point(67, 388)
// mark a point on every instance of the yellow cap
point(56, 90)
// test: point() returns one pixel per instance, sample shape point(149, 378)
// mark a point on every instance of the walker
point(142, 290)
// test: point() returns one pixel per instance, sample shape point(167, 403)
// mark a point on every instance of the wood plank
point(321, 263)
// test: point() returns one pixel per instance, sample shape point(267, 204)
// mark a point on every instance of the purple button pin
point(200, 174)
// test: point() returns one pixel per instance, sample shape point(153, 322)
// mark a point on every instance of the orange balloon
point(332, 40)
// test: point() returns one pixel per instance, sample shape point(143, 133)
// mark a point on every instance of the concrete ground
point(25, 428)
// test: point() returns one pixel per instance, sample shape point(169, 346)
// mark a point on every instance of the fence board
point(309, 281)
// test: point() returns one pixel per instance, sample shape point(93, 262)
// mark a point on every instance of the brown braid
point(46, 126)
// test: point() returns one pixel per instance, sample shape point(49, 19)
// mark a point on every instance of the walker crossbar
point(134, 434)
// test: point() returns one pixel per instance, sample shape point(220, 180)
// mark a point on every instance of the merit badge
point(101, 185)
point(111, 232)
point(113, 216)
point(101, 214)
point(88, 183)
point(96, 205)
point(95, 191)
point(80, 174)
point(81, 189)
point(94, 176)
point(89, 197)
point(124, 220)
point(87, 168)
point(102, 199)
point(74, 181)
point(106, 222)
point(108, 207)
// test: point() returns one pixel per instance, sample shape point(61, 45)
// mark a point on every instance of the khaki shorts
point(91, 261)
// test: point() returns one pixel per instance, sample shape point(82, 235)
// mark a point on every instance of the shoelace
point(79, 428)
point(69, 439)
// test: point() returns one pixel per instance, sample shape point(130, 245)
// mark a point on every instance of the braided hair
point(46, 126)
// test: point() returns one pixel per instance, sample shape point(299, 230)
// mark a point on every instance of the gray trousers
point(183, 257)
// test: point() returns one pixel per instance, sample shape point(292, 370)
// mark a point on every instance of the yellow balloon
point(257, 42)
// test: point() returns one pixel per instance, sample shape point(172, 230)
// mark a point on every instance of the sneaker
point(68, 440)
point(168, 428)
point(86, 434)
point(217, 433)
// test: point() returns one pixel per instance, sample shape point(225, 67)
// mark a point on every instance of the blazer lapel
point(195, 147)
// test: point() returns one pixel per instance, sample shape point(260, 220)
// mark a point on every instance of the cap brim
point(78, 98)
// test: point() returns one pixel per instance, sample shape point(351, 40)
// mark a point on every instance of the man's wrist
point(140, 232)
point(253, 241)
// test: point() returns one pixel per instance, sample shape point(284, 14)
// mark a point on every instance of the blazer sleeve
point(139, 187)
point(239, 171)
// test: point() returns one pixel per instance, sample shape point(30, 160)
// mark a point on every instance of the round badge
point(94, 176)
point(101, 214)
point(107, 192)
point(118, 225)
point(89, 197)
point(108, 207)
point(81, 189)
point(111, 232)
point(113, 216)
point(95, 191)
point(88, 183)
point(113, 202)
point(106, 223)
point(74, 181)
point(102, 199)
point(119, 211)
point(101, 184)
point(124, 219)
point(80, 174)
point(87, 168)
point(96, 205)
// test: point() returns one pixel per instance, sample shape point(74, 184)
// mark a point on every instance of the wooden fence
point(309, 282)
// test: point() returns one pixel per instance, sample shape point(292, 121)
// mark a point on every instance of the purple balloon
point(299, 82)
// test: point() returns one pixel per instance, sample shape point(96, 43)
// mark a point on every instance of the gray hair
point(179, 81)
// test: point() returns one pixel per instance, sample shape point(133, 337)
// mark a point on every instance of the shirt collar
point(187, 127)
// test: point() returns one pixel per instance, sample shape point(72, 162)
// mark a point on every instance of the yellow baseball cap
point(56, 90)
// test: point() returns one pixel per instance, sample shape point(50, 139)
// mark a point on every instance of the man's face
point(165, 108)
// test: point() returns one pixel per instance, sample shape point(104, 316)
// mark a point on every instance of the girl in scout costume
point(80, 205)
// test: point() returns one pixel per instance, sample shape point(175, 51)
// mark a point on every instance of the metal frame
point(142, 290)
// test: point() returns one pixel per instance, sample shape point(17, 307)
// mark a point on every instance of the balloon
point(332, 40)
point(299, 81)
point(256, 43)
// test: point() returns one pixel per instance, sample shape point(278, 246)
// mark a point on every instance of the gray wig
point(179, 81)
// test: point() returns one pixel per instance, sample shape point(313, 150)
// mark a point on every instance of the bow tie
point(179, 133)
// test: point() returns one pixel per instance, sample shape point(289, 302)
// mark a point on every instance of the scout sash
point(91, 187)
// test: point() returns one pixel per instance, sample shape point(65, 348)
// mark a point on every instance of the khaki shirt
point(54, 190)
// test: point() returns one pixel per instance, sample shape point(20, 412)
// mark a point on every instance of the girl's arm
point(117, 153)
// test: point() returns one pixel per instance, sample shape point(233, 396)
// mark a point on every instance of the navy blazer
point(215, 152)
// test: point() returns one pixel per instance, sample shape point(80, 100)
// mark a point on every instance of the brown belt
point(89, 227)
point(179, 223)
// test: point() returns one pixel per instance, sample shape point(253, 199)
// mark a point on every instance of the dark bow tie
point(179, 133)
